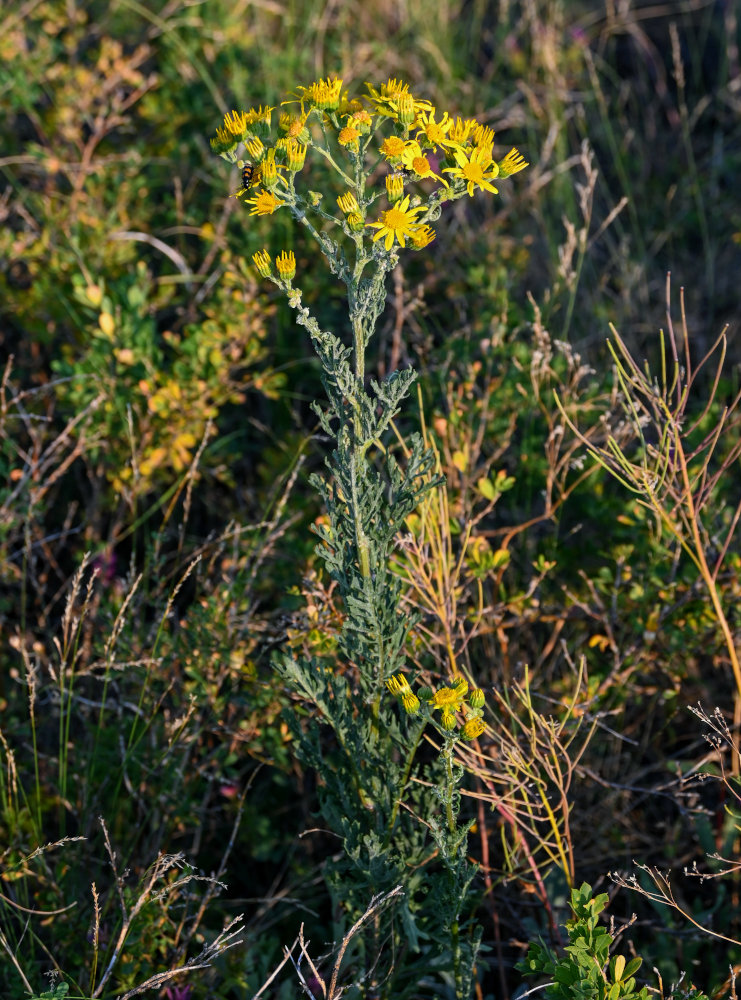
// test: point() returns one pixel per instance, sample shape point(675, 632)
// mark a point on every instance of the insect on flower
point(248, 171)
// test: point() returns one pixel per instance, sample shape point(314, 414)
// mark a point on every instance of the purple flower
point(106, 565)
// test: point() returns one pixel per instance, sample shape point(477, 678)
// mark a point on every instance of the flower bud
point(263, 263)
point(398, 685)
point(348, 203)
point(269, 171)
point(461, 687)
point(295, 156)
point(447, 721)
point(407, 113)
point(355, 222)
point(476, 698)
point(410, 702)
point(255, 148)
point(394, 187)
point(286, 265)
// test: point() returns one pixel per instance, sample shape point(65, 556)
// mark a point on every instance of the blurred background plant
point(109, 189)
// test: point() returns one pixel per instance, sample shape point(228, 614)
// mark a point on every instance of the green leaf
point(486, 488)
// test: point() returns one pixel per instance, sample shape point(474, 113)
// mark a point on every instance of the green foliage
point(586, 970)
point(58, 992)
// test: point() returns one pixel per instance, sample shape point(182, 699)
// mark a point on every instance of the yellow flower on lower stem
point(410, 702)
point(448, 699)
point(286, 265)
point(397, 223)
point(398, 685)
point(447, 721)
point(476, 698)
point(264, 203)
point(473, 728)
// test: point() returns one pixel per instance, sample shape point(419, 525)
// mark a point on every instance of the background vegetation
point(156, 441)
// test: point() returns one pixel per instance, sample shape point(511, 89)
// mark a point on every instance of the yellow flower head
point(355, 222)
point(286, 265)
point(476, 698)
point(236, 122)
point(393, 148)
point(405, 109)
point(259, 119)
point(263, 263)
point(294, 127)
point(483, 135)
point(512, 163)
point(412, 149)
point(461, 686)
point(397, 222)
point(398, 685)
point(448, 699)
point(413, 159)
point(324, 94)
point(393, 100)
point(265, 203)
point(361, 119)
point(348, 203)
point(461, 129)
point(422, 237)
point(348, 137)
point(269, 169)
point(473, 728)
point(447, 721)
point(295, 155)
point(410, 702)
point(476, 168)
point(223, 141)
point(431, 133)
point(255, 148)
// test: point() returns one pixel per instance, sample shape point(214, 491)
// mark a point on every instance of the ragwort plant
point(395, 163)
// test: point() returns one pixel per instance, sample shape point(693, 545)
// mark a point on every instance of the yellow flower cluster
point(285, 265)
point(455, 155)
point(449, 700)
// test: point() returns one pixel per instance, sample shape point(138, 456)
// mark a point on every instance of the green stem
point(449, 784)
